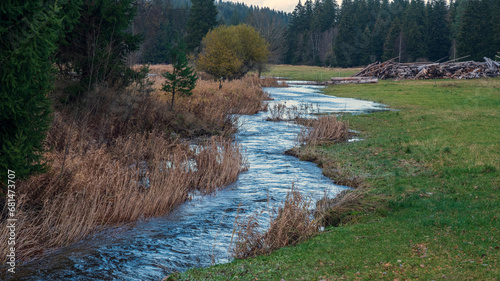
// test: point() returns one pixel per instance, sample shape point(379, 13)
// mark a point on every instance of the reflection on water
point(200, 230)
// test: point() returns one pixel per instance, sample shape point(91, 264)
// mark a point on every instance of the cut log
point(353, 80)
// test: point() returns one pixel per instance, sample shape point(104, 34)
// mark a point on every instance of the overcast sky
point(282, 5)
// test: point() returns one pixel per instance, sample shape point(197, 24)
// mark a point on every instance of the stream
point(198, 233)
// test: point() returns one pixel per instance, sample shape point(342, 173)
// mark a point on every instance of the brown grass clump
point(209, 110)
point(347, 207)
point(325, 130)
point(297, 113)
point(292, 224)
point(141, 176)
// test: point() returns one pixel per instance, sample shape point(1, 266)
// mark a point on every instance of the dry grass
point(209, 110)
point(116, 158)
point(297, 113)
point(141, 176)
point(347, 207)
point(291, 224)
point(325, 130)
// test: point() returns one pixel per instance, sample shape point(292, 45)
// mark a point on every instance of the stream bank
point(198, 233)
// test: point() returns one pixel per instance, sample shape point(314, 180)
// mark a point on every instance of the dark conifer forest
point(344, 33)
point(359, 32)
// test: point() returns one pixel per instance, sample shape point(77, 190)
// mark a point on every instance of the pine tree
point(295, 28)
point(183, 78)
point(476, 31)
point(394, 45)
point(496, 28)
point(438, 30)
point(97, 47)
point(380, 30)
point(328, 14)
point(345, 48)
point(202, 18)
point(414, 27)
point(28, 32)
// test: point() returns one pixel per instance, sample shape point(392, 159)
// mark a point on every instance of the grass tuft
point(291, 224)
point(325, 130)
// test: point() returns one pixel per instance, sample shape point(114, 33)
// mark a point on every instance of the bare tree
point(272, 30)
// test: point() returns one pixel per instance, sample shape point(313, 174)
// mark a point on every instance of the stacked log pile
point(450, 70)
point(353, 80)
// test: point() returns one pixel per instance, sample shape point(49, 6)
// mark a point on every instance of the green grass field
point(433, 163)
point(309, 73)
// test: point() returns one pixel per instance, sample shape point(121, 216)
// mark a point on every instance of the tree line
point(359, 32)
point(84, 46)
point(165, 22)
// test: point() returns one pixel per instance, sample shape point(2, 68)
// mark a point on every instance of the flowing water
point(199, 231)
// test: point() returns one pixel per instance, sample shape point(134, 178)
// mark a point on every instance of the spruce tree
point(202, 18)
point(496, 28)
point(438, 30)
point(381, 29)
point(414, 26)
point(328, 14)
point(394, 45)
point(475, 36)
point(345, 49)
point(28, 32)
point(183, 78)
point(97, 47)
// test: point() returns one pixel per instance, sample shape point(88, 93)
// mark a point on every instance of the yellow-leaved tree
point(229, 52)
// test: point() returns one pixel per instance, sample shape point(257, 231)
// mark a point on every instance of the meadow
point(309, 73)
point(426, 203)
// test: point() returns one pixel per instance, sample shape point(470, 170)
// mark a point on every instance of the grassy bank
point(430, 203)
point(310, 73)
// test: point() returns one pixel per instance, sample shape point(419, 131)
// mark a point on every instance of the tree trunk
point(172, 103)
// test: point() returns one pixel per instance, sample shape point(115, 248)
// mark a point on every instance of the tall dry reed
point(291, 224)
point(297, 113)
point(324, 130)
point(210, 109)
point(141, 176)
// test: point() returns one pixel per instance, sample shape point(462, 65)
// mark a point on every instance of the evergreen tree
point(380, 30)
point(438, 30)
point(475, 36)
point(414, 26)
point(235, 19)
point(496, 28)
point(345, 47)
point(28, 32)
point(98, 45)
point(183, 78)
point(456, 11)
point(328, 14)
point(202, 18)
point(308, 14)
point(161, 24)
point(394, 45)
point(366, 53)
point(294, 43)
